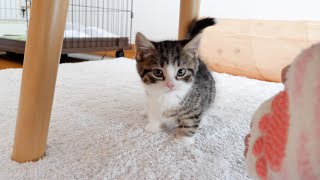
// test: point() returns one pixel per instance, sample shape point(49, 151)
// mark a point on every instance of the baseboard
point(128, 53)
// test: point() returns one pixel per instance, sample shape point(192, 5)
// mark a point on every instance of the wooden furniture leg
point(41, 60)
point(189, 10)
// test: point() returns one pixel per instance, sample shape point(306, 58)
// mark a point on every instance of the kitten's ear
point(193, 45)
point(144, 47)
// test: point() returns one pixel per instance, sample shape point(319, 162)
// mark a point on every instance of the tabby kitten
point(177, 82)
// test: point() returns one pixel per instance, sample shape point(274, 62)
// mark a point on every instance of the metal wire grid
point(99, 20)
point(15, 10)
point(93, 20)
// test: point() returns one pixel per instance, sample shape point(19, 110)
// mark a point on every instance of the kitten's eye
point(181, 72)
point(157, 72)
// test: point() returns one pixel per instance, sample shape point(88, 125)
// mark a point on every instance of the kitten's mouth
point(170, 90)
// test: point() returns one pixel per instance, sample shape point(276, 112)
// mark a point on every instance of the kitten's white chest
point(165, 101)
point(168, 101)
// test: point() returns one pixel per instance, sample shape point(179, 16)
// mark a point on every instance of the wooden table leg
point(189, 10)
point(41, 61)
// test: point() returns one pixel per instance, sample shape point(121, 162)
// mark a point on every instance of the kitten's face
point(166, 66)
point(167, 78)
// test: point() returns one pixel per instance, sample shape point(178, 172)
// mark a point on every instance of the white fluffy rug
point(96, 131)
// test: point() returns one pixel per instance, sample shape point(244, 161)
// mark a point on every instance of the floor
point(96, 130)
point(16, 61)
point(7, 62)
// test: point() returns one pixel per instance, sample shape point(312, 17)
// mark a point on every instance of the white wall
point(158, 20)
point(262, 9)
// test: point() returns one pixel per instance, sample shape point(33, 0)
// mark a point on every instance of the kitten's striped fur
point(177, 66)
point(191, 109)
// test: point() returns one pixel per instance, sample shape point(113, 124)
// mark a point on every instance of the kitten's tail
point(197, 26)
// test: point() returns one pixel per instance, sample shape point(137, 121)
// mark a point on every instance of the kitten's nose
point(170, 85)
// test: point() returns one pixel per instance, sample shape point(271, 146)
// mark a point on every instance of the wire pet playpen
point(92, 25)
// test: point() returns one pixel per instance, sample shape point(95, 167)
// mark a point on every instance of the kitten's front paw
point(153, 127)
point(167, 114)
point(186, 140)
